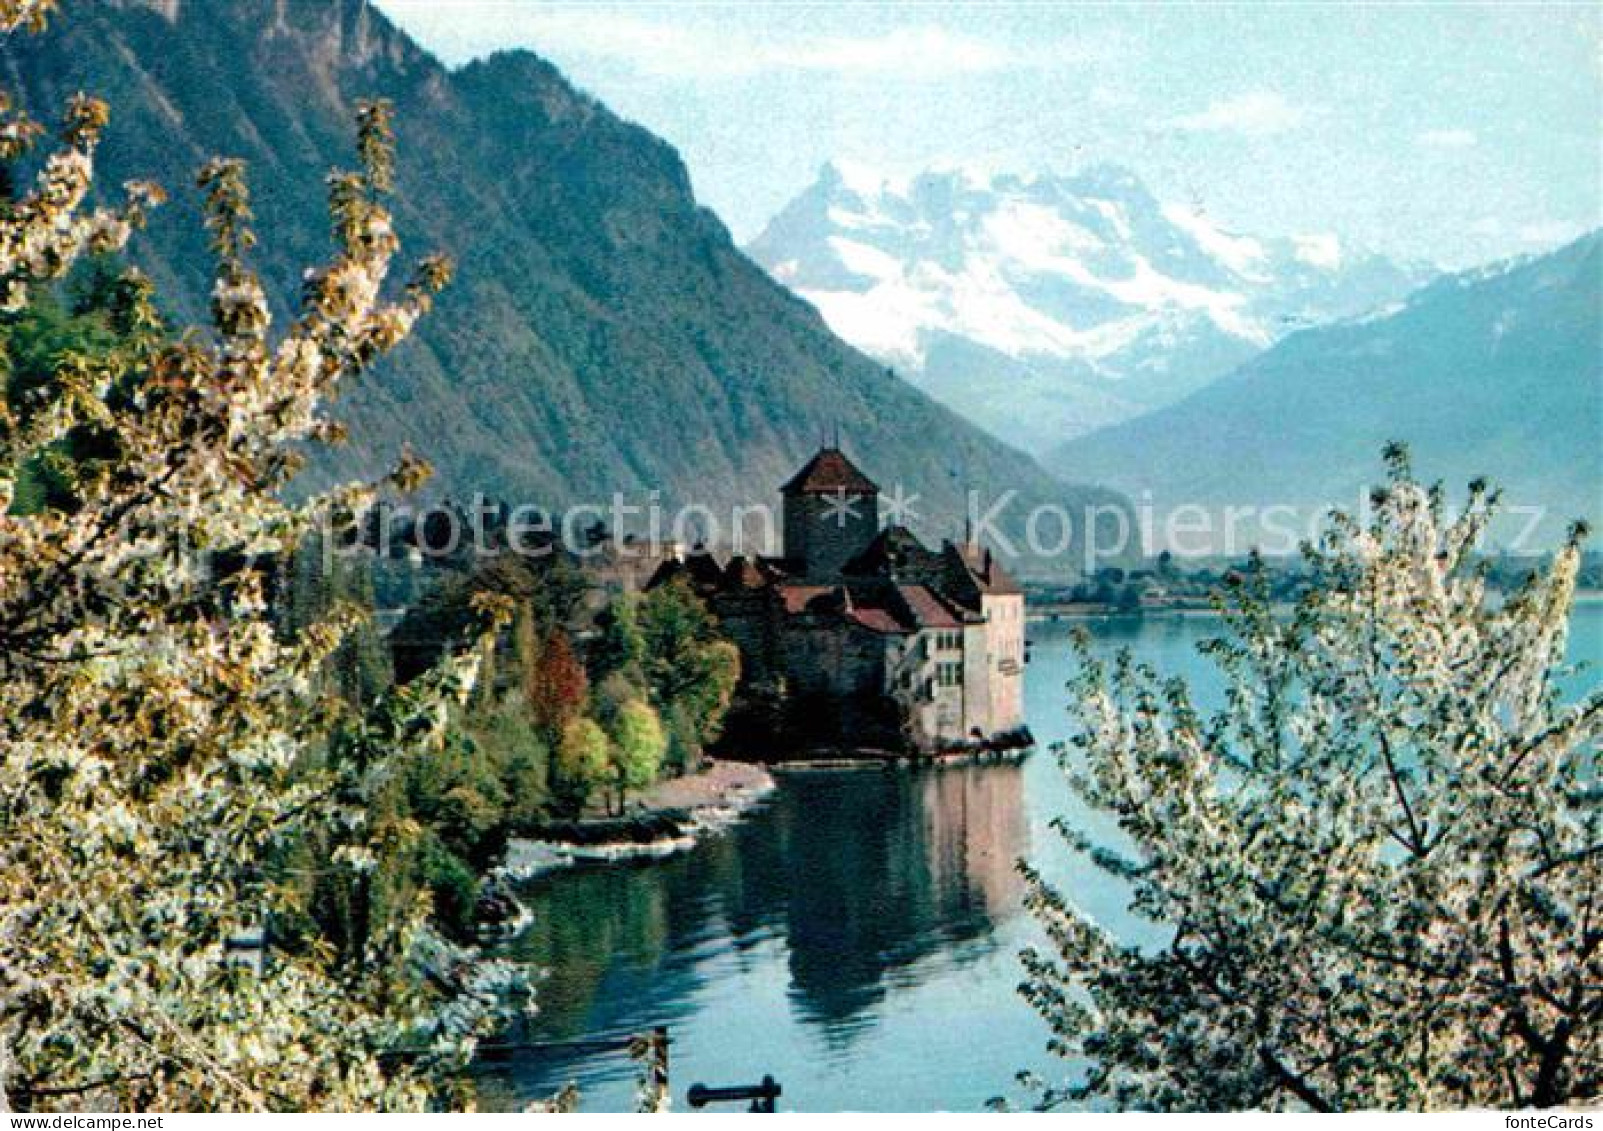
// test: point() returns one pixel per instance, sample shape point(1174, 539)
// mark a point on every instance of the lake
point(858, 937)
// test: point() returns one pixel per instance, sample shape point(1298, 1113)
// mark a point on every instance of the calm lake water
point(857, 938)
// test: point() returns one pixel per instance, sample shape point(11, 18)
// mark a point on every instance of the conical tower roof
point(830, 473)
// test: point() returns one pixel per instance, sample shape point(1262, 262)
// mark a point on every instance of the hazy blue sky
point(1453, 132)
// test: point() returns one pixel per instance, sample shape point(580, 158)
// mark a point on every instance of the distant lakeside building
point(859, 637)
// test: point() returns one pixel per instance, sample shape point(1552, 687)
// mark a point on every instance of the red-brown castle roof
point(987, 571)
point(829, 473)
point(743, 573)
point(926, 608)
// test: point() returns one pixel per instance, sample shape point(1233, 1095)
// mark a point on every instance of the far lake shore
point(1047, 611)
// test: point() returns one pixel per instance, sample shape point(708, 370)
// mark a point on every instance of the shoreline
point(890, 760)
point(669, 818)
point(1046, 614)
point(674, 815)
point(1049, 613)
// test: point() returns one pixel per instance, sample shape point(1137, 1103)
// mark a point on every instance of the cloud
point(678, 50)
point(1447, 139)
point(925, 49)
point(1534, 234)
point(1254, 113)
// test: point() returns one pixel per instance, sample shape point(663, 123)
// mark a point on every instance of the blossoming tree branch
point(162, 743)
point(1376, 870)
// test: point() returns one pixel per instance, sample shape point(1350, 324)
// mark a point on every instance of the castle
point(861, 637)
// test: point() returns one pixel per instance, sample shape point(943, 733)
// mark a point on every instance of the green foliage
point(459, 795)
point(685, 740)
point(454, 804)
point(448, 812)
point(88, 324)
point(658, 655)
point(453, 887)
point(520, 756)
point(690, 669)
point(619, 645)
point(638, 745)
point(320, 584)
point(584, 756)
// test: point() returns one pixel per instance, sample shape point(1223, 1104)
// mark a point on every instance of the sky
point(1454, 133)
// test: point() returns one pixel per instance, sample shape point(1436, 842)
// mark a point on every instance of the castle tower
point(831, 513)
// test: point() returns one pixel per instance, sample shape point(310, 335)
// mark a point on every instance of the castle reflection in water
point(846, 887)
point(878, 870)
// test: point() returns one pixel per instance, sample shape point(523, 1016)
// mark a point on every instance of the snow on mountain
point(1045, 307)
point(1494, 372)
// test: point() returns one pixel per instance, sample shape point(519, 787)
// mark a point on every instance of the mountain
point(1496, 372)
point(1042, 308)
point(604, 334)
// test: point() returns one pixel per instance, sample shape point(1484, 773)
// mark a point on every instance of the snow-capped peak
point(859, 179)
point(1079, 286)
point(1241, 254)
point(1321, 251)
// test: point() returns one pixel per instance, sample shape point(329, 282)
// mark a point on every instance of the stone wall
point(823, 655)
point(824, 536)
point(850, 685)
point(951, 699)
point(910, 678)
point(976, 680)
point(837, 676)
point(1004, 661)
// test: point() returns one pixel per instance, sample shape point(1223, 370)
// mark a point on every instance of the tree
point(520, 755)
point(584, 756)
point(30, 14)
point(690, 669)
point(50, 337)
point(555, 685)
point(161, 743)
point(618, 646)
point(638, 744)
point(1377, 870)
point(321, 584)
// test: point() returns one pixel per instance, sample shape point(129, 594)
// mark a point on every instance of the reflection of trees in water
point(863, 873)
point(612, 940)
point(607, 937)
point(584, 925)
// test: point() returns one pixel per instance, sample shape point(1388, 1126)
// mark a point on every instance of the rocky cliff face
point(604, 333)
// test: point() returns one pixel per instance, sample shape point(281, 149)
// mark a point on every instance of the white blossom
point(1377, 870)
point(155, 728)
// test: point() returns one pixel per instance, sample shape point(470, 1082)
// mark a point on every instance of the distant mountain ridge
point(1045, 307)
point(604, 334)
point(1496, 372)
